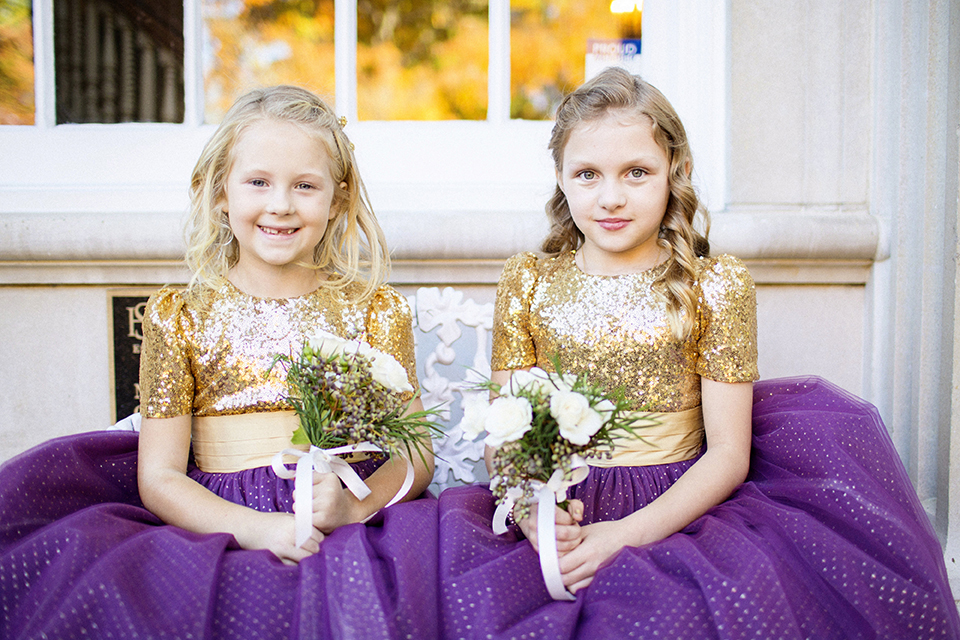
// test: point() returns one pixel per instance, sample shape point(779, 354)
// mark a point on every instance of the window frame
point(491, 173)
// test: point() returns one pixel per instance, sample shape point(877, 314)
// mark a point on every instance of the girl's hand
point(568, 530)
point(600, 541)
point(332, 504)
point(276, 532)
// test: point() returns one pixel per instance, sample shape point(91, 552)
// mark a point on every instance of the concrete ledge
point(783, 245)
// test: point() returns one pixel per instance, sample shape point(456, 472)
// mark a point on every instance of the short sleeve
point(727, 343)
point(513, 346)
point(390, 329)
point(166, 378)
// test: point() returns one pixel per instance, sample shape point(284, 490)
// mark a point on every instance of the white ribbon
point(325, 461)
point(548, 495)
point(504, 509)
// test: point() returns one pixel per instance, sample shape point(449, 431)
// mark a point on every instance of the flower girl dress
point(825, 539)
point(81, 557)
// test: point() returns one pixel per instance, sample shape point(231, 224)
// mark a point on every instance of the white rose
point(475, 409)
point(365, 350)
point(388, 372)
point(327, 344)
point(577, 421)
point(507, 420)
point(535, 380)
point(605, 408)
point(565, 382)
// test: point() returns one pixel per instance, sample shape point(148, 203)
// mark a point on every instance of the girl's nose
point(612, 195)
point(280, 202)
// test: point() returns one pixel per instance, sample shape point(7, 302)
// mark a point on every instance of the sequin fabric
point(825, 540)
point(81, 558)
point(210, 353)
point(614, 329)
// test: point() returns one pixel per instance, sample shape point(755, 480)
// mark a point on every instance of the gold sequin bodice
point(210, 354)
point(615, 328)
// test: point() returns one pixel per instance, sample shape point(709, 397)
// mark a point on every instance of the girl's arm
point(176, 499)
point(727, 415)
point(335, 506)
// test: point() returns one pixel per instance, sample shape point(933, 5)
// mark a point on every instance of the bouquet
point(348, 397)
point(542, 426)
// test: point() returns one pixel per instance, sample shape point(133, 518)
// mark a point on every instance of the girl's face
point(278, 197)
point(615, 178)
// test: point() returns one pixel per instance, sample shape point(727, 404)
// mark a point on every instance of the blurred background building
point(825, 136)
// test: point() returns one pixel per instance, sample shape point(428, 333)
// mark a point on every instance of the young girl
point(826, 539)
point(282, 243)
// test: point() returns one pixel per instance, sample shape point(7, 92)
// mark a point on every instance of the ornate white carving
point(457, 460)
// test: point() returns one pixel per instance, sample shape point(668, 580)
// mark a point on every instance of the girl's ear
point(559, 181)
point(688, 168)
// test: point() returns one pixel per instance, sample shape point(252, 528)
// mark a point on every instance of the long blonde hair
point(353, 248)
point(616, 89)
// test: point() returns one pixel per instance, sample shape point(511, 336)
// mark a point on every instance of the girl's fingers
point(312, 545)
point(575, 509)
point(564, 518)
point(566, 546)
point(575, 572)
point(573, 588)
point(320, 480)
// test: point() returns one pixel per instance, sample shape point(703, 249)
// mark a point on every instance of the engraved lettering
point(135, 320)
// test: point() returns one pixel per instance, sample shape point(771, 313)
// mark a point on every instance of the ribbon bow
point(548, 493)
point(325, 461)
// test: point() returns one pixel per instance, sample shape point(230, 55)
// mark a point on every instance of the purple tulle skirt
point(825, 539)
point(81, 557)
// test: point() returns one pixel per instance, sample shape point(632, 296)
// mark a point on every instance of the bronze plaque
point(126, 336)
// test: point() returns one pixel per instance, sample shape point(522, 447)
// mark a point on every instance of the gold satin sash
point(224, 444)
point(678, 436)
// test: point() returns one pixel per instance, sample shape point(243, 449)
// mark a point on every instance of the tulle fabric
point(825, 539)
point(81, 557)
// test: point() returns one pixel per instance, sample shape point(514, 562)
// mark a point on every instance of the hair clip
point(343, 121)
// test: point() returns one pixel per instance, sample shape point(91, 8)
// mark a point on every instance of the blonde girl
point(283, 243)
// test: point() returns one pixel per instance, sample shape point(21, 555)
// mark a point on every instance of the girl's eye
point(588, 175)
point(257, 182)
point(637, 173)
point(304, 185)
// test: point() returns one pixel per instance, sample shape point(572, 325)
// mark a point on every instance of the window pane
point(16, 62)
point(548, 47)
point(422, 59)
point(258, 43)
point(118, 61)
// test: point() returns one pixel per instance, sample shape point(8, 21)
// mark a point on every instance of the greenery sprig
point(347, 392)
point(541, 421)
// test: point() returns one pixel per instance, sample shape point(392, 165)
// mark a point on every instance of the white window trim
point(453, 190)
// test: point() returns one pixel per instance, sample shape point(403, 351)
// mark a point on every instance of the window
point(16, 63)
point(484, 152)
point(119, 61)
point(549, 41)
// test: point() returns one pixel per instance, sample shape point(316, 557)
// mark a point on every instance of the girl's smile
point(281, 232)
point(613, 224)
point(615, 179)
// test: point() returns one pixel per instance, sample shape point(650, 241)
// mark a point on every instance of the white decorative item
point(457, 458)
